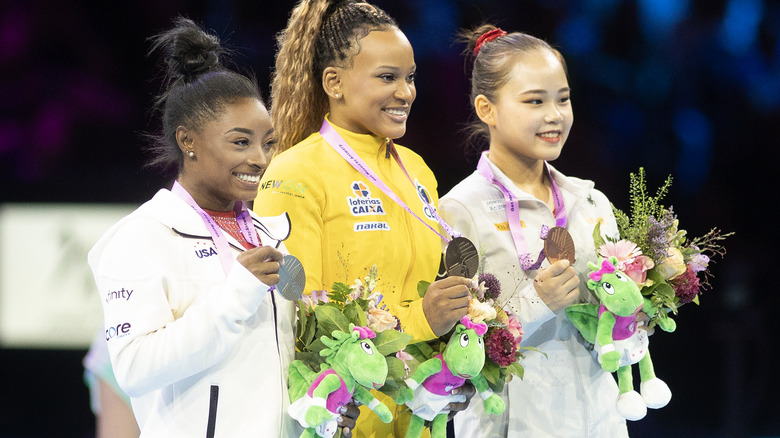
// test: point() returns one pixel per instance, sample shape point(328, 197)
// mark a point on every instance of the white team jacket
point(565, 394)
point(193, 348)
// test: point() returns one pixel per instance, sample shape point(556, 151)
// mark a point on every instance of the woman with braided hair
point(342, 91)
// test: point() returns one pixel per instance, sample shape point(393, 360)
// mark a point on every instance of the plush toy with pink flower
point(353, 366)
point(619, 339)
point(430, 386)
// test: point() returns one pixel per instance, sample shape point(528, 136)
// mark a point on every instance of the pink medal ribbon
point(513, 214)
point(337, 142)
point(217, 235)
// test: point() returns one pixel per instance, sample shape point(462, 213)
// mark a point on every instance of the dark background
point(689, 88)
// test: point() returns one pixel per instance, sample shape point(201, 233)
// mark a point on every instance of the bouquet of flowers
point(655, 253)
point(322, 312)
point(502, 340)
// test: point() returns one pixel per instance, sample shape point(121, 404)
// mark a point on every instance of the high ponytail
point(319, 34)
point(299, 102)
point(196, 87)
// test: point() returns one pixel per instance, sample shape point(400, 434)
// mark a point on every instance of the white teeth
point(252, 179)
point(549, 134)
point(396, 112)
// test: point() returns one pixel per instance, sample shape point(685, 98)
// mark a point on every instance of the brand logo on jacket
point(427, 200)
point(363, 204)
point(118, 294)
point(120, 330)
point(286, 186)
point(371, 226)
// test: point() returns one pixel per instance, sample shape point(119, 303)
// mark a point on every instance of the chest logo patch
point(427, 201)
point(494, 205)
point(204, 249)
point(362, 204)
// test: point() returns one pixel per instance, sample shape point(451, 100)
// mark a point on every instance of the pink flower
point(515, 328)
point(403, 357)
point(624, 250)
point(637, 270)
point(500, 346)
point(686, 285)
point(319, 296)
point(311, 300)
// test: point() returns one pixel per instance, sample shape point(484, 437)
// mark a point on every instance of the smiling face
point(532, 115)
point(230, 155)
point(465, 352)
point(374, 95)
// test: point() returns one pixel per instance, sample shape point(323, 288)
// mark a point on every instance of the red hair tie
point(486, 37)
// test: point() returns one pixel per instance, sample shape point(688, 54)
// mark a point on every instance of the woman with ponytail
point(197, 336)
point(342, 92)
point(521, 100)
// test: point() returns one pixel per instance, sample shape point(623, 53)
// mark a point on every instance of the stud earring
point(336, 95)
point(191, 154)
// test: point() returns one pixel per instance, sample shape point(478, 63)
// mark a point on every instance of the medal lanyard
point(337, 142)
point(512, 206)
point(220, 241)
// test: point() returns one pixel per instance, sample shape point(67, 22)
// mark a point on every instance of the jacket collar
point(170, 210)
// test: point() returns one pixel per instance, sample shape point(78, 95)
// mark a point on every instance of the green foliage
point(636, 226)
point(422, 287)
point(390, 341)
point(318, 317)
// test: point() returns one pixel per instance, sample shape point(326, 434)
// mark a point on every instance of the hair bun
point(189, 50)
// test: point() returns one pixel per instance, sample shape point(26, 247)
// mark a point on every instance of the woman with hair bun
point(197, 336)
point(343, 88)
point(521, 99)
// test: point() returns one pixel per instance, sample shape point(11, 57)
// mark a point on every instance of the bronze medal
point(292, 279)
point(559, 245)
point(461, 258)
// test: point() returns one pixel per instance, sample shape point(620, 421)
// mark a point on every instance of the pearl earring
point(191, 154)
point(336, 95)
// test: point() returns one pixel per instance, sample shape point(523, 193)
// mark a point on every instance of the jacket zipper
point(213, 401)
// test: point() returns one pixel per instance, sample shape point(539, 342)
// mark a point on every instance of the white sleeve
point(151, 347)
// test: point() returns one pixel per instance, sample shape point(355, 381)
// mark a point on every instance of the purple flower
point(686, 285)
point(492, 286)
point(699, 262)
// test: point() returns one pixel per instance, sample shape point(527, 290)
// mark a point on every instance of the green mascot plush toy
point(613, 329)
point(352, 364)
point(431, 385)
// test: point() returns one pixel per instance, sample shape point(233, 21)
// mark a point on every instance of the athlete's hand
point(263, 262)
point(557, 285)
point(466, 391)
point(348, 418)
point(446, 302)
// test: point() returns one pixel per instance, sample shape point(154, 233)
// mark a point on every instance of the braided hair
point(196, 87)
point(319, 34)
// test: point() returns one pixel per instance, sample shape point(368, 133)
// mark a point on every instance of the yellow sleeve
point(292, 184)
point(413, 320)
